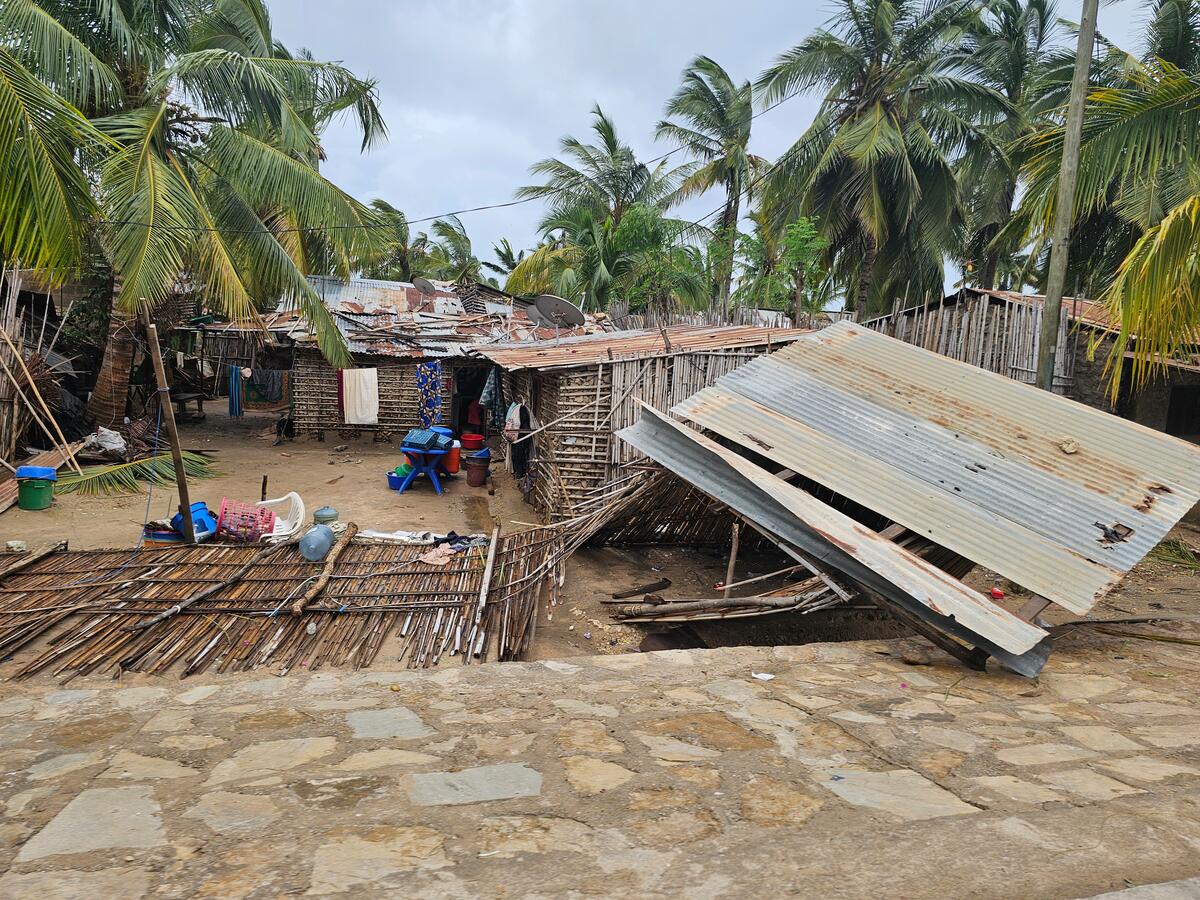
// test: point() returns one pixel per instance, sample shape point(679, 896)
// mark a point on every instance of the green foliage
point(127, 478)
point(187, 138)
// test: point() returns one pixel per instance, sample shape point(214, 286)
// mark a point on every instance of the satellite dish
point(424, 285)
point(535, 317)
point(558, 312)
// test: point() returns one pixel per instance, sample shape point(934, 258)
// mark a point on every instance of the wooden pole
point(733, 555)
point(167, 411)
point(1064, 210)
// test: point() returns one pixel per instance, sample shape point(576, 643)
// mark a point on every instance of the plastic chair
point(289, 517)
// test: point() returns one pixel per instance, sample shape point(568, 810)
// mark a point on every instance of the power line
point(368, 226)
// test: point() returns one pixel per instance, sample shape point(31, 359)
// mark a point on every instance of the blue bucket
point(394, 481)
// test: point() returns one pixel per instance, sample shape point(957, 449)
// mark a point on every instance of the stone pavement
point(830, 770)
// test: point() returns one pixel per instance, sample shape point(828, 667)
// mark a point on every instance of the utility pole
point(1064, 211)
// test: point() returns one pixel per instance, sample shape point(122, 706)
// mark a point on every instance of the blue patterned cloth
point(429, 390)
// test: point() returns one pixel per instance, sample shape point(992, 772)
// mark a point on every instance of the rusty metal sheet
point(833, 538)
point(589, 350)
point(1059, 497)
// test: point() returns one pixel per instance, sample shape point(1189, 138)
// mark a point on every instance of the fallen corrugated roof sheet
point(1061, 498)
point(592, 349)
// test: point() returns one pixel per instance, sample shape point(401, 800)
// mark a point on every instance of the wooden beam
point(167, 412)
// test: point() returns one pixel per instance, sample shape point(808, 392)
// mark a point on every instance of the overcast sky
point(474, 91)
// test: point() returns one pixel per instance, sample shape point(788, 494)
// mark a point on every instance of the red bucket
point(472, 441)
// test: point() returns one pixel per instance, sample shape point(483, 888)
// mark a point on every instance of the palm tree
point(606, 177)
point(643, 260)
point(875, 167)
point(204, 168)
point(1010, 47)
point(507, 259)
point(716, 116)
point(451, 256)
point(1138, 193)
point(400, 254)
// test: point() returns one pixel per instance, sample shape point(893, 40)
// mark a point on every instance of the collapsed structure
point(577, 393)
point(1001, 331)
point(1058, 497)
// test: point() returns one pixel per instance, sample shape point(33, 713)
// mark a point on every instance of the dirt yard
point(353, 481)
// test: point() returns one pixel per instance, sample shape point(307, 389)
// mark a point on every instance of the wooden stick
point(34, 390)
point(746, 581)
point(168, 415)
point(202, 594)
point(29, 559)
point(733, 555)
point(317, 586)
point(33, 413)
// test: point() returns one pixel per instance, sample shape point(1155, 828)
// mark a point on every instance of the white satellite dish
point(424, 285)
point(559, 312)
point(535, 317)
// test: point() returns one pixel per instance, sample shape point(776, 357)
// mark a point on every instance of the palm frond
point(128, 478)
point(44, 194)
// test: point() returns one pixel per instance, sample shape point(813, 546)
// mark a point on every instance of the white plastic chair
point(289, 517)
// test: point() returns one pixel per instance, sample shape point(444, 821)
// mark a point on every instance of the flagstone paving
point(673, 774)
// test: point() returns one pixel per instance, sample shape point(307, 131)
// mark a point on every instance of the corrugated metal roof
point(842, 544)
point(394, 318)
point(1059, 497)
point(593, 349)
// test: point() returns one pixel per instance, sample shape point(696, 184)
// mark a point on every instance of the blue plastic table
point(424, 462)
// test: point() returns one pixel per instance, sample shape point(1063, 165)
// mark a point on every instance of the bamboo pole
point(66, 445)
point(168, 416)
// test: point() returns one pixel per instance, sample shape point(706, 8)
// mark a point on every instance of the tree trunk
point(866, 275)
point(729, 220)
point(798, 311)
point(991, 260)
point(107, 404)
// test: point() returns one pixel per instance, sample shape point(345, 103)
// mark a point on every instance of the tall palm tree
point(1138, 192)
point(875, 167)
point(605, 177)
point(1009, 47)
point(716, 117)
point(204, 169)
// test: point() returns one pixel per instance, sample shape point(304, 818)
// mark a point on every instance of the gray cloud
point(474, 91)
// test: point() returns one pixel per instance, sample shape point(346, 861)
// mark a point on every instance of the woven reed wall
point(314, 387)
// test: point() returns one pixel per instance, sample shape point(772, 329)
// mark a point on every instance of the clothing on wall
point(268, 384)
point(360, 396)
point(429, 390)
point(236, 400)
point(493, 397)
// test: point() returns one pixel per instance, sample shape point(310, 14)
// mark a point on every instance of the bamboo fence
point(581, 409)
point(1000, 334)
point(90, 609)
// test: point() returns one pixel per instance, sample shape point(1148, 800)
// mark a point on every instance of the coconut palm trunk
point(107, 404)
point(866, 276)
point(729, 220)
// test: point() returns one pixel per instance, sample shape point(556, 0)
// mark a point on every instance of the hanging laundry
point(360, 396)
point(236, 400)
point(268, 384)
point(429, 388)
point(512, 422)
point(493, 397)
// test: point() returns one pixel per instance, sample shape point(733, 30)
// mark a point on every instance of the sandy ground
point(353, 481)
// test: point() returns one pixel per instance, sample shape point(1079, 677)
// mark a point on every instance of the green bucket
point(35, 493)
point(403, 470)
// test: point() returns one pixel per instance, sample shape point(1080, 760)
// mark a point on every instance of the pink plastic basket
point(243, 523)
